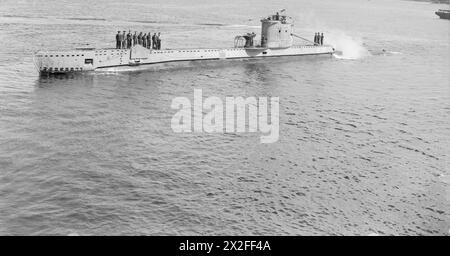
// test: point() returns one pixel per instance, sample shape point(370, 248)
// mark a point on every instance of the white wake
point(347, 47)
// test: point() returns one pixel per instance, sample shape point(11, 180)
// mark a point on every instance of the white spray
point(346, 47)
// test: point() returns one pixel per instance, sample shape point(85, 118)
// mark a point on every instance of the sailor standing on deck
point(118, 40)
point(159, 40)
point(139, 39)
point(149, 40)
point(154, 41)
point(315, 38)
point(124, 40)
point(129, 40)
point(135, 38)
point(144, 40)
point(321, 39)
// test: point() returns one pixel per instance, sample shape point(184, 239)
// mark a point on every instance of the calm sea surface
point(364, 136)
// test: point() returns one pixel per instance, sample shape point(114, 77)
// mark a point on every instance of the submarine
point(443, 14)
point(276, 40)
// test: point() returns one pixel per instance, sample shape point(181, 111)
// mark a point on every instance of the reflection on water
point(47, 80)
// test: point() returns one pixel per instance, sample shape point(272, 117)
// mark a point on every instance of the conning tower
point(276, 31)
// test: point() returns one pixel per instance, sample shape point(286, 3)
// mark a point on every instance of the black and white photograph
point(214, 118)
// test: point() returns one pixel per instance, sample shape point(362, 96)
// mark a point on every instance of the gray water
point(364, 136)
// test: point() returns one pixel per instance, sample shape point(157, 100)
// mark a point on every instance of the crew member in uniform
point(144, 40)
point(154, 41)
point(321, 39)
point(139, 38)
point(129, 41)
point(121, 41)
point(158, 39)
point(124, 40)
point(135, 38)
point(118, 40)
point(315, 38)
point(149, 40)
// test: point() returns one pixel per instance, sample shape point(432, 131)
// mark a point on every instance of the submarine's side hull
point(82, 60)
point(443, 15)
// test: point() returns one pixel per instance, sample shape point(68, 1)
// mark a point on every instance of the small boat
point(443, 14)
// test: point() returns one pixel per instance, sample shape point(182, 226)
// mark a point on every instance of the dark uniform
point(144, 40)
point(134, 38)
point(139, 38)
point(149, 40)
point(129, 41)
point(154, 41)
point(315, 38)
point(321, 39)
point(118, 40)
point(158, 41)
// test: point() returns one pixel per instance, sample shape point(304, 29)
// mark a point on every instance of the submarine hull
point(82, 60)
point(443, 14)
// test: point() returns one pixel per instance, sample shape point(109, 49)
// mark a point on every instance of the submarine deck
point(90, 59)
